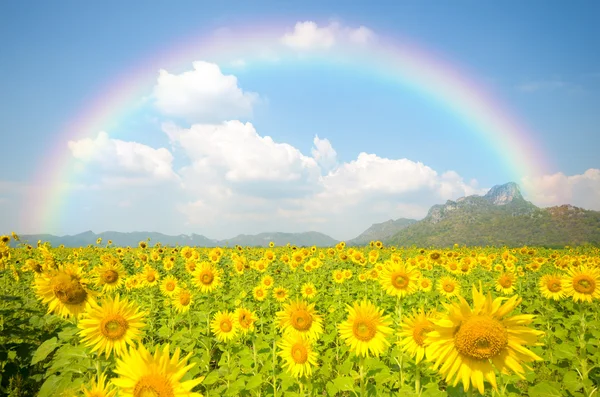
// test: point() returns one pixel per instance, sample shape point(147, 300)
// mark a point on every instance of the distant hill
point(132, 239)
point(381, 231)
point(501, 217)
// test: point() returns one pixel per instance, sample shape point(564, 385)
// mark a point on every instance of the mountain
point(501, 217)
point(132, 239)
point(381, 231)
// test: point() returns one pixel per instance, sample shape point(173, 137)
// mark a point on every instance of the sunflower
point(99, 388)
point(366, 329)
point(224, 326)
point(505, 283)
point(260, 293)
point(109, 276)
point(399, 280)
point(206, 277)
point(64, 291)
point(414, 329)
point(245, 320)
point(308, 291)
point(425, 284)
point(298, 355)
point(448, 287)
point(112, 326)
point(267, 281)
point(150, 276)
point(144, 374)
point(582, 283)
point(338, 276)
point(169, 285)
point(300, 317)
point(466, 342)
point(552, 286)
point(280, 294)
point(182, 300)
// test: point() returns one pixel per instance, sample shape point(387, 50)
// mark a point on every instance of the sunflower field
point(298, 321)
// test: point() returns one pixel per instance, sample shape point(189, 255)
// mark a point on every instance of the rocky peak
point(504, 194)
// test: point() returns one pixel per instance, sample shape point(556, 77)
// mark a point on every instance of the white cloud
point(243, 155)
point(324, 154)
point(203, 94)
point(241, 182)
point(124, 158)
point(581, 190)
point(309, 36)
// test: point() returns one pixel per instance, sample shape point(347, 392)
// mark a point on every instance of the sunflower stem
point(361, 370)
point(418, 379)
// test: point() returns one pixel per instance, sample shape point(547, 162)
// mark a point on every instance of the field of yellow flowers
point(298, 321)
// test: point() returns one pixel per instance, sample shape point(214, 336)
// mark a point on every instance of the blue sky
point(539, 58)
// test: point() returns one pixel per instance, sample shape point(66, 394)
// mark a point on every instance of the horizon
point(328, 118)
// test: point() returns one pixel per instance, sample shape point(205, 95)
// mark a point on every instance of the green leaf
point(572, 381)
point(44, 350)
point(331, 389)
point(344, 383)
point(211, 378)
point(254, 381)
point(544, 389)
point(50, 386)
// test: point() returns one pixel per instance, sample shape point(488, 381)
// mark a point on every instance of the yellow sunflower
point(300, 317)
point(308, 291)
point(448, 287)
point(182, 300)
point(169, 285)
point(425, 284)
point(582, 283)
point(505, 283)
point(245, 320)
point(466, 342)
point(366, 329)
point(267, 281)
point(99, 388)
point(280, 294)
point(414, 329)
point(206, 277)
point(224, 326)
point(338, 276)
point(397, 279)
point(552, 286)
point(298, 355)
point(65, 291)
point(143, 374)
point(109, 276)
point(112, 326)
point(260, 293)
point(149, 276)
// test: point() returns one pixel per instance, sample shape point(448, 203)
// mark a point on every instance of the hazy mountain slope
point(381, 231)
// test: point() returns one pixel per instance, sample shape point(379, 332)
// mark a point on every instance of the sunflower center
point(299, 353)
point(153, 386)
point(244, 320)
point(184, 299)
point(150, 277)
point(301, 320)
point(554, 285)
point(448, 287)
point(207, 277)
point(364, 330)
point(114, 327)
point(70, 292)
point(170, 286)
point(110, 276)
point(481, 338)
point(424, 283)
point(400, 280)
point(225, 325)
point(584, 284)
point(419, 332)
point(505, 281)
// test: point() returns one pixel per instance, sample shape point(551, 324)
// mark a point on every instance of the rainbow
point(398, 61)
